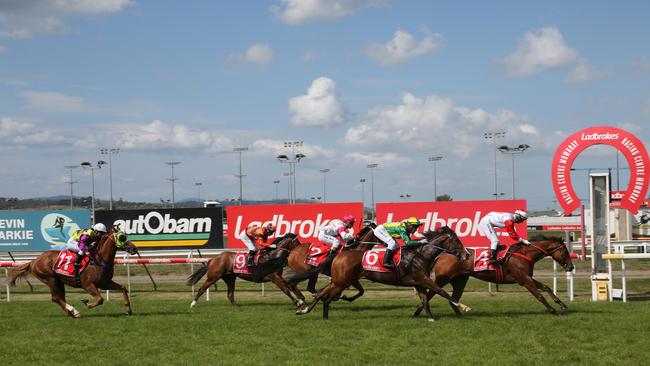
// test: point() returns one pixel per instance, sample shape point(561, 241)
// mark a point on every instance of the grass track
point(509, 329)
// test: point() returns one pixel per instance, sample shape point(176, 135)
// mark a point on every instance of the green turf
point(508, 328)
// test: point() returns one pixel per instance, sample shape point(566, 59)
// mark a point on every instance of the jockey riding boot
point(250, 262)
point(493, 257)
point(388, 259)
point(77, 264)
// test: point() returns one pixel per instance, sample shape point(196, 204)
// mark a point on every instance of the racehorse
point(413, 271)
point(518, 265)
point(364, 240)
point(98, 274)
point(269, 269)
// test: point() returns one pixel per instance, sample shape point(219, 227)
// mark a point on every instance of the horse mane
point(430, 235)
point(364, 230)
point(280, 238)
point(541, 237)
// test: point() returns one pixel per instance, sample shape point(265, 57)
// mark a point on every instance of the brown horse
point(414, 271)
point(363, 241)
point(518, 268)
point(98, 274)
point(270, 269)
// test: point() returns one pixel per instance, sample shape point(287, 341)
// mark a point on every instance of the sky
point(358, 81)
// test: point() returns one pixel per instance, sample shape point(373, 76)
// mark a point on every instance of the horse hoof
point(431, 320)
point(193, 304)
point(300, 304)
point(464, 308)
point(129, 312)
point(302, 311)
point(85, 301)
point(76, 315)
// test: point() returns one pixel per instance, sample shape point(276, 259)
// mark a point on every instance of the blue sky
point(359, 81)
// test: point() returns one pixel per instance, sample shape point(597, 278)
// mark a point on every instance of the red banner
point(303, 220)
point(461, 216)
point(625, 142)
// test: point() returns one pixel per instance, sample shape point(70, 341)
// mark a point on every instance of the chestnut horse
point(518, 268)
point(269, 269)
point(98, 274)
point(413, 271)
point(363, 241)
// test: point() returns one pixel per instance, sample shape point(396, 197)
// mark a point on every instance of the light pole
point(494, 136)
point(288, 175)
point(240, 176)
point(435, 160)
point(88, 165)
point(292, 161)
point(324, 171)
point(173, 179)
point(372, 184)
point(71, 182)
point(110, 153)
point(198, 187)
point(276, 183)
point(363, 193)
point(513, 151)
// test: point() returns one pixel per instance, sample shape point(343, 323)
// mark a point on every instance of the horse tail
point(21, 271)
point(196, 276)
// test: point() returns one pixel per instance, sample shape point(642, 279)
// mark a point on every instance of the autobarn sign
point(304, 220)
point(183, 228)
point(461, 216)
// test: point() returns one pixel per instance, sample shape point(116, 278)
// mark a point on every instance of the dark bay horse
point(98, 274)
point(413, 271)
point(517, 268)
point(269, 269)
point(363, 241)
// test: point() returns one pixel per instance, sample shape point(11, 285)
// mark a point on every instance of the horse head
point(556, 249)
point(446, 240)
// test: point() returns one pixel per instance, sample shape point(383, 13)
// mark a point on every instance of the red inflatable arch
point(625, 142)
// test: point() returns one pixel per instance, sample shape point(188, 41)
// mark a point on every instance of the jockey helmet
point(100, 227)
point(270, 228)
point(349, 219)
point(413, 221)
point(521, 214)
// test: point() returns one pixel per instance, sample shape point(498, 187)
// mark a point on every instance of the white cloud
point(403, 47)
point(435, 123)
point(25, 133)
point(20, 19)
point(539, 51)
point(309, 56)
point(320, 107)
point(159, 135)
point(582, 72)
point(295, 12)
point(258, 54)
point(384, 159)
point(54, 102)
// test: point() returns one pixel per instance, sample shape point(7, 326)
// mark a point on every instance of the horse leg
point(212, 278)
point(435, 289)
point(282, 285)
point(326, 308)
point(116, 286)
point(360, 291)
point(458, 284)
point(57, 289)
point(92, 290)
point(311, 284)
point(322, 293)
point(541, 286)
point(529, 284)
point(293, 287)
point(230, 286)
point(423, 294)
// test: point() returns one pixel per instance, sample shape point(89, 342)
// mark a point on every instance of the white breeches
point(72, 245)
point(329, 239)
point(247, 241)
point(487, 230)
point(384, 236)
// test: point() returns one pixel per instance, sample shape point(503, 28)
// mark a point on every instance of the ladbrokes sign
point(302, 220)
point(625, 142)
point(461, 216)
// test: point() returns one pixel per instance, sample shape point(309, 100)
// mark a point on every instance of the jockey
point(390, 231)
point(255, 238)
point(335, 231)
point(501, 220)
point(82, 241)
